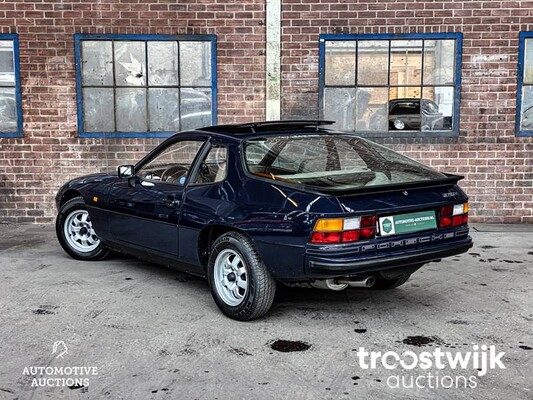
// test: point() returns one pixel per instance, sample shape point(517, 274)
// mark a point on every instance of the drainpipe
point(273, 60)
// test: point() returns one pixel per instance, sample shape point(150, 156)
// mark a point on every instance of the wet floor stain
point(289, 346)
point(40, 311)
point(419, 340)
point(45, 309)
point(523, 347)
point(458, 322)
point(240, 352)
point(359, 330)
point(84, 389)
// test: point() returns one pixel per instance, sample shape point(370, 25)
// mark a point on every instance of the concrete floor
point(153, 333)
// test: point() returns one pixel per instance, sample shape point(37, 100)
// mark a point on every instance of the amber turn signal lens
point(329, 225)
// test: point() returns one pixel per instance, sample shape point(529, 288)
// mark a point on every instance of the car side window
point(173, 164)
point(214, 167)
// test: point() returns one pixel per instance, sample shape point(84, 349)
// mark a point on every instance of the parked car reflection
point(417, 114)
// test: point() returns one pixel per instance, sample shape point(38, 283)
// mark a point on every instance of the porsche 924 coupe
point(253, 205)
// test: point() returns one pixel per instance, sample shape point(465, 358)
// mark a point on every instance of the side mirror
point(126, 171)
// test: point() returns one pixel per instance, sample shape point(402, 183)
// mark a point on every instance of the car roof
point(247, 131)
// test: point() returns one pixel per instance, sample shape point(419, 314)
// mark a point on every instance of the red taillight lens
point(368, 233)
point(454, 215)
point(344, 230)
point(350, 236)
point(368, 227)
point(326, 237)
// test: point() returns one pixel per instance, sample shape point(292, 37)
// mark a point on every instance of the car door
point(144, 210)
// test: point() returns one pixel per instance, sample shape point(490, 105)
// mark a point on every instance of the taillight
point(454, 215)
point(344, 230)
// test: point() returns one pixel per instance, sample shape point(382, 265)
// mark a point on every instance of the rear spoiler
point(450, 179)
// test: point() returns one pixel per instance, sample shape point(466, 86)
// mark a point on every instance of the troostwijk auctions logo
point(481, 359)
point(54, 376)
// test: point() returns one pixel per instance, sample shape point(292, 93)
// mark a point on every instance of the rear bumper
point(328, 262)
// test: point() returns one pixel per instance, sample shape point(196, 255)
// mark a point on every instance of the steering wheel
point(174, 173)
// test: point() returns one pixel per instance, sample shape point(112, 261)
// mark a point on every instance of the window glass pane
point(439, 62)
point(213, 168)
point(163, 63)
point(173, 164)
point(340, 63)
point(406, 62)
point(336, 162)
point(97, 63)
point(528, 61)
point(437, 108)
point(404, 108)
point(373, 62)
point(7, 69)
point(131, 110)
point(8, 110)
point(527, 109)
point(130, 68)
point(371, 108)
point(164, 107)
point(339, 106)
point(98, 110)
point(195, 63)
point(195, 108)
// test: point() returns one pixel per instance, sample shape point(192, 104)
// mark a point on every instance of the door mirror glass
point(125, 171)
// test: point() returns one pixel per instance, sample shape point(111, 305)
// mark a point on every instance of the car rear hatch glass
point(334, 163)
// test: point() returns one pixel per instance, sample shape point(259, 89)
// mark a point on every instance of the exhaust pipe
point(365, 281)
point(343, 283)
point(330, 284)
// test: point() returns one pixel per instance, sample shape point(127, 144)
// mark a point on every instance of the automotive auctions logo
point(481, 358)
point(73, 377)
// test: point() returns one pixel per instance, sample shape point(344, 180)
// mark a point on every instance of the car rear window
point(332, 161)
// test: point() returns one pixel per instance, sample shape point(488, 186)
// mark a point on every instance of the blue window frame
point(524, 88)
point(391, 85)
point(10, 94)
point(144, 85)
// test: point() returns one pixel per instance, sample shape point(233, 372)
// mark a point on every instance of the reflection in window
point(173, 165)
point(526, 83)
point(384, 84)
point(143, 86)
point(214, 167)
point(9, 105)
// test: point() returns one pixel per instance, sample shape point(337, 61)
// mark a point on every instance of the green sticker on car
point(406, 223)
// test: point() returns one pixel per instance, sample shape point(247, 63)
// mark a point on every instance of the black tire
point(261, 288)
point(77, 203)
point(386, 284)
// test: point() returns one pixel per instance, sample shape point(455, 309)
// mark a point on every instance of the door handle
point(147, 184)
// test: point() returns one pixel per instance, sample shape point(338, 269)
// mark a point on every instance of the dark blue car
point(252, 205)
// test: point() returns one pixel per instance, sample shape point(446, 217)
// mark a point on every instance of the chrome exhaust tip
point(364, 282)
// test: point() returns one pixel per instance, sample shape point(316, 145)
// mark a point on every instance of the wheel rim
point(399, 124)
point(231, 277)
point(79, 232)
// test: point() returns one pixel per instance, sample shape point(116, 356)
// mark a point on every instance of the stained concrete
point(154, 333)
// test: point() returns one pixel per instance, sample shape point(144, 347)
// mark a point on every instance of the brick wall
point(34, 167)
point(497, 165)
